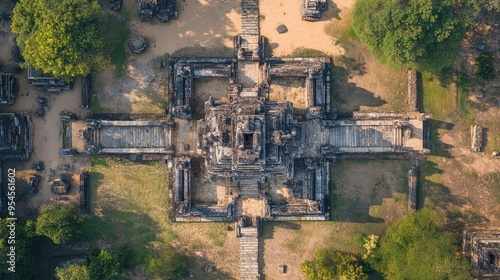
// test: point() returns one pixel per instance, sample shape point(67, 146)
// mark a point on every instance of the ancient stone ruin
point(16, 136)
point(46, 82)
point(412, 188)
point(256, 149)
point(482, 247)
point(311, 9)
point(476, 137)
point(86, 92)
point(7, 93)
point(413, 90)
point(165, 10)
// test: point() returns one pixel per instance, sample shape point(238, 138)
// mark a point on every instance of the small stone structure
point(182, 73)
point(482, 247)
point(46, 82)
point(413, 90)
point(164, 9)
point(84, 191)
point(86, 92)
point(412, 188)
point(7, 94)
point(311, 9)
point(476, 137)
point(137, 44)
point(16, 136)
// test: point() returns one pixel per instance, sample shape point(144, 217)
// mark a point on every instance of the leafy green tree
point(26, 250)
point(416, 33)
point(104, 265)
point(59, 223)
point(494, 4)
point(418, 248)
point(61, 37)
point(166, 265)
point(329, 265)
point(73, 272)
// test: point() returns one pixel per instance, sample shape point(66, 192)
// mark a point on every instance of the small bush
point(484, 66)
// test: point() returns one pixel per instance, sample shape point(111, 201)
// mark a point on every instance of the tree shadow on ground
point(348, 96)
point(352, 65)
point(351, 199)
point(333, 11)
point(268, 228)
point(433, 193)
point(439, 148)
point(112, 223)
point(351, 209)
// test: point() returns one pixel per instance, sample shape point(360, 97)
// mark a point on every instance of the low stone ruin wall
point(476, 137)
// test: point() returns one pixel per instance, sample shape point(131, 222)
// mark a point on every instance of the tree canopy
point(329, 264)
point(418, 248)
point(417, 33)
point(73, 272)
point(26, 250)
point(104, 265)
point(59, 223)
point(61, 37)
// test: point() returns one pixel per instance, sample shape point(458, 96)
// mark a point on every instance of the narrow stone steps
point(249, 253)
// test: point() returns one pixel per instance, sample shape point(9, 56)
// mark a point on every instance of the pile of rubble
point(164, 9)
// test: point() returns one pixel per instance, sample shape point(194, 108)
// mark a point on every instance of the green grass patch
point(116, 34)
point(305, 52)
point(438, 99)
point(128, 202)
point(494, 178)
point(64, 134)
point(95, 105)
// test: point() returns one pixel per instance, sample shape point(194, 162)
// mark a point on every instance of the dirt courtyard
point(48, 139)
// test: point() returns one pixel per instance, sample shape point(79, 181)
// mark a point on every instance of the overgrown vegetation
point(116, 34)
point(61, 37)
point(424, 33)
point(73, 272)
point(27, 255)
point(418, 248)
point(166, 264)
point(329, 264)
point(484, 66)
point(102, 265)
point(59, 223)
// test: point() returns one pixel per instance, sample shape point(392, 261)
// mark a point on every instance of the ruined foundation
point(482, 247)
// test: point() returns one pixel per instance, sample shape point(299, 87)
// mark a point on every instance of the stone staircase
point(250, 34)
point(249, 189)
point(249, 253)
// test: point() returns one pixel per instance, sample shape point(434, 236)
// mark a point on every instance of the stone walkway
point(249, 253)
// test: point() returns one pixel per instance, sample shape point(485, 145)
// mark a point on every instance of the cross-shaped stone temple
point(255, 152)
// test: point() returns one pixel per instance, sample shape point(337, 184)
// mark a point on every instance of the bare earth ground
point(47, 135)
point(465, 185)
point(143, 87)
